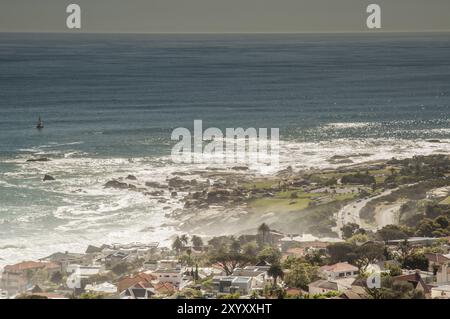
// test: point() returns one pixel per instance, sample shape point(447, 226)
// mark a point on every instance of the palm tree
point(184, 239)
point(177, 245)
point(263, 229)
point(276, 272)
point(197, 241)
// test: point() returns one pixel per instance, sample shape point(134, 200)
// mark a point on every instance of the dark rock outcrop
point(40, 159)
point(116, 184)
point(48, 178)
point(154, 185)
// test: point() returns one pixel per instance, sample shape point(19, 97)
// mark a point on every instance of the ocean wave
point(82, 211)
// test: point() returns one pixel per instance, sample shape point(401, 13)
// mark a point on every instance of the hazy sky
point(223, 15)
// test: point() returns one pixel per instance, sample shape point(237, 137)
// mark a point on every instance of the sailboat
point(40, 124)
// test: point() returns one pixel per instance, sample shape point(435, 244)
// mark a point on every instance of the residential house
point(170, 275)
point(164, 289)
point(323, 286)
point(66, 258)
point(113, 259)
point(132, 251)
point(294, 252)
point(104, 288)
point(168, 264)
point(16, 278)
point(415, 241)
point(259, 275)
point(232, 284)
point(443, 274)
point(416, 280)
point(79, 275)
point(440, 292)
point(138, 291)
point(339, 270)
point(130, 281)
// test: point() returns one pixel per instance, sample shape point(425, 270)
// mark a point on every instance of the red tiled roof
point(437, 258)
point(143, 279)
point(339, 267)
point(30, 265)
point(164, 288)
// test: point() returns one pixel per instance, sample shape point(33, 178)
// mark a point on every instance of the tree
point(197, 241)
point(275, 271)
point(56, 277)
point(442, 221)
point(394, 270)
point(301, 275)
point(404, 248)
point(269, 254)
point(341, 252)
point(120, 268)
point(392, 232)
point(358, 238)
point(235, 246)
point(184, 239)
point(394, 289)
point(177, 245)
point(229, 261)
point(348, 230)
point(263, 231)
point(416, 261)
point(250, 250)
point(367, 254)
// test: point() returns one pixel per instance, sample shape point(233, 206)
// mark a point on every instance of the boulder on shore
point(154, 185)
point(48, 178)
point(116, 184)
point(131, 177)
point(40, 159)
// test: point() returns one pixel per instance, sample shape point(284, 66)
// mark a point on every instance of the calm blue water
point(114, 92)
point(110, 102)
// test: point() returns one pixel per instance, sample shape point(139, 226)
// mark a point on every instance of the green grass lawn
point(279, 204)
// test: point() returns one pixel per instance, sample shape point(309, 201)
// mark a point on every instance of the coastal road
point(351, 212)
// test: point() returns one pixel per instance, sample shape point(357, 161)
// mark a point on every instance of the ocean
point(110, 102)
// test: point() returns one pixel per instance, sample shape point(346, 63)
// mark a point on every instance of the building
point(170, 275)
point(66, 258)
point(16, 278)
point(130, 281)
point(79, 275)
point(440, 292)
point(339, 270)
point(443, 274)
point(232, 284)
point(105, 288)
point(168, 264)
point(132, 251)
point(323, 286)
point(416, 280)
point(164, 289)
point(138, 291)
point(259, 275)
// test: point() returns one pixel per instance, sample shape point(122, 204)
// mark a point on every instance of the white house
point(440, 292)
point(105, 288)
point(170, 275)
point(337, 271)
